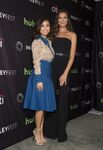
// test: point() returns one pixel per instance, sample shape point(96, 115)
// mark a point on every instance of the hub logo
point(29, 23)
point(73, 107)
point(27, 72)
point(74, 71)
point(29, 121)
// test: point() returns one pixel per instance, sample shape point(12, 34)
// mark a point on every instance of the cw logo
point(54, 9)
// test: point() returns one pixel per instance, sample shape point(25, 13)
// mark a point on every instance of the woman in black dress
point(64, 44)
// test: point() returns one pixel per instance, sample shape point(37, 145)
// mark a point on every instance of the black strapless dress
point(55, 124)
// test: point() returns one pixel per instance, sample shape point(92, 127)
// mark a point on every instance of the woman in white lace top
point(40, 94)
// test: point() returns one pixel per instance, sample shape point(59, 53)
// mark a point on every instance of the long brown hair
point(55, 28)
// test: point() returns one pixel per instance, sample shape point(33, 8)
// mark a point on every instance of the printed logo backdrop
point(98, 57)
point(17, 21)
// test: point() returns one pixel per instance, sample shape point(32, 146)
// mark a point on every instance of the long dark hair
point(55, 28)
point(38, 27)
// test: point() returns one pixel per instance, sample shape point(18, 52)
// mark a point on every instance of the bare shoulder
point(72, 35)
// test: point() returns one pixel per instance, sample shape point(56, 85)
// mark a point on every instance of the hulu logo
point(27, 71)
point(29, 121)
point(29, 23)
point(73, 107)
point(73, 71)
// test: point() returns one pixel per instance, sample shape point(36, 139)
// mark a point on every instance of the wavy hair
point(55, 28)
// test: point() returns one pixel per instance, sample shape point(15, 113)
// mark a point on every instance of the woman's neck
point(62, 29)
point(44, 36)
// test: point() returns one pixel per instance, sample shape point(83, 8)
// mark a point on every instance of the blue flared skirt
point(40, 100)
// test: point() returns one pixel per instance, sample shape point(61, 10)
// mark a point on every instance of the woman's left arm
point(63, 77)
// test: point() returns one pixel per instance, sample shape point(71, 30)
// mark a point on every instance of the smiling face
point(62, 19)
point(45, 28)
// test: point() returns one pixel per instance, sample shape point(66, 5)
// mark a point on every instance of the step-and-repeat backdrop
point(17, 22)
point(98, 57)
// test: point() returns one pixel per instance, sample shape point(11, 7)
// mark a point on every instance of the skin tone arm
point(63, 77)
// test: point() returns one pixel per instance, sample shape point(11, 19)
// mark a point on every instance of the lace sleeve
point(37, 55)
point(36, 48)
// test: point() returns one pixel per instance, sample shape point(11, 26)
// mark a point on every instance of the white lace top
point(41, 51)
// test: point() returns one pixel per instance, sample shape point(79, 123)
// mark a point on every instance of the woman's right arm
point(36, 54)
point(63, 77)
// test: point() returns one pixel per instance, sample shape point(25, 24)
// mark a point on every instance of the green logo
point(27, 72)
point(74, 71)
point(29, 121)
point(29, 23)
point(73, 107)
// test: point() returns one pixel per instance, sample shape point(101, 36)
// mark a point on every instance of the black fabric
point(97, 58)
point(60, 117)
